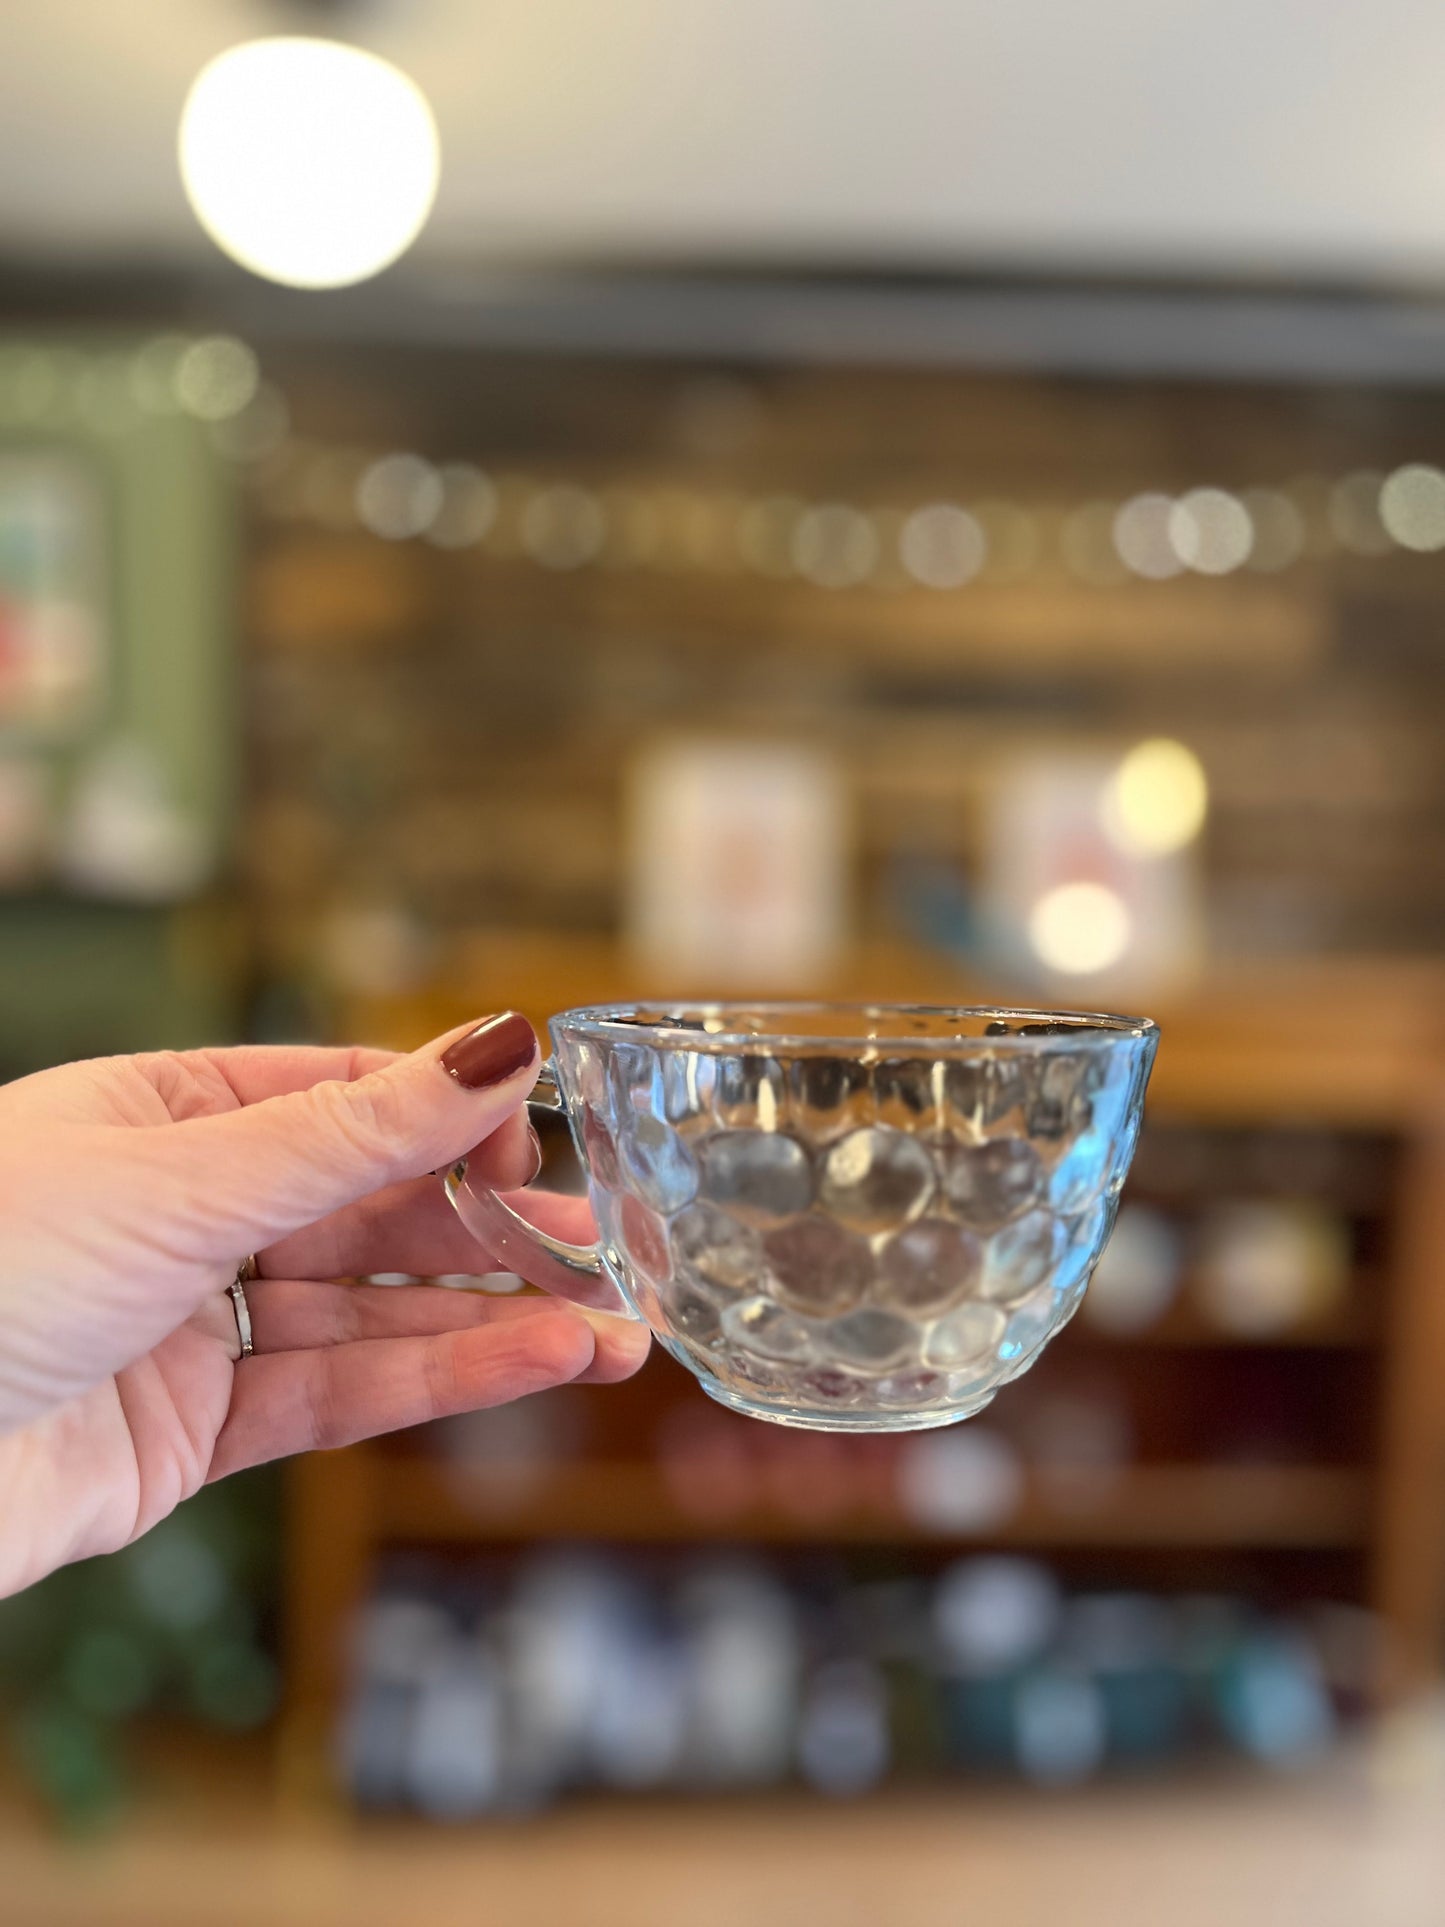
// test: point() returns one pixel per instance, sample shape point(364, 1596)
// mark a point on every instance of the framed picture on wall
point(738, 866)
point(56, 621)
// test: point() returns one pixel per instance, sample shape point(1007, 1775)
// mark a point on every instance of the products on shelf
point(496, 1689)
point(1271, 1697)
point(174, 1626)
point(1080, 1442)
point(1059, 1725)
point(843, 1728)
point(990, 1615)
point(1138, 1277)
point(1130, 1645)
point(1258, 1231)
point(963, 1480)
point(1269, 1267)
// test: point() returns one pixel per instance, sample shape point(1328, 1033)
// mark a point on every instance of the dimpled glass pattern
point(848, 1218)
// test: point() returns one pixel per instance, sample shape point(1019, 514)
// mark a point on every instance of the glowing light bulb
point(834, 545)
point(1142, 538)
point(309, 162)
point(1279, 529)
point(1211, 531)
point(1412, 507)
point(217, 379)
point(1080, 928)
point(943, 546)
point(399, 497)
point(1156, 801)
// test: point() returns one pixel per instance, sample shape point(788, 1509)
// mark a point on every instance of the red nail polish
point(497, 1049)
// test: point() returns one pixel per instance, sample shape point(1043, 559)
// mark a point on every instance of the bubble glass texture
point(861, 1218)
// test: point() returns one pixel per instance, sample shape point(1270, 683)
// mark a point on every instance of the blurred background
point(511, 506)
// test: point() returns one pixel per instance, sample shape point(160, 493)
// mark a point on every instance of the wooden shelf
point(1250, 1845)
point(1353, 1048)
point(1186, 1331)
point(1352, 1044)
point(419, 1499)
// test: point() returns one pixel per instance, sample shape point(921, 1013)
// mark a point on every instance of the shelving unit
point(1347, 1049)
point(630, 1503)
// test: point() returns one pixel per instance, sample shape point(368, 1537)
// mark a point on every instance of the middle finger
point(297, 1315)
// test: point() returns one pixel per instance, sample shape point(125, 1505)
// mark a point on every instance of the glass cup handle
point(566, 1270)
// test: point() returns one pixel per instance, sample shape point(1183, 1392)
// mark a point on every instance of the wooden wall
point(449, 732)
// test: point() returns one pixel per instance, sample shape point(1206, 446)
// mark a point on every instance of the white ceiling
point(1239, 135)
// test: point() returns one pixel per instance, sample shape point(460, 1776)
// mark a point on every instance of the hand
point(131, 1188)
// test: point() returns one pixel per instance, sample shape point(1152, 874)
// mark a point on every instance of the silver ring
point(237, 1295)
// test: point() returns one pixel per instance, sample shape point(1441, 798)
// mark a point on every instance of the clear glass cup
point(845, 1217)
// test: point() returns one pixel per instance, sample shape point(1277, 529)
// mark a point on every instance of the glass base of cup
point(804, 1420)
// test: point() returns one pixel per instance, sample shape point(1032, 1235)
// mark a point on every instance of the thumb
point(256, 1174)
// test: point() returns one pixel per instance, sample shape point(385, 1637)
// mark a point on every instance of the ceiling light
point(311, 163)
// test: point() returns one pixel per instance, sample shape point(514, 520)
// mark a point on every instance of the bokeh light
point(216, 378)
point(943, 546)
point(468, 507)
point(1211, 531)
point(1412, 507)
point(399, 496)
point(1157, 799)
point(563, 527)
point(1080, 928)
point(1279, 529)
point(834, 546)
point(1143, 539)
point(311, 163)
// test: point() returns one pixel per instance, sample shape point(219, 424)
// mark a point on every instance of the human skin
point(131, 1188)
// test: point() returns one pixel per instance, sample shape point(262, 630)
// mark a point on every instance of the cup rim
point(647, 1020)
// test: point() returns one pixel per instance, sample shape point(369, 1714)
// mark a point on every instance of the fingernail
point(536, 1153)
point(497, 1049)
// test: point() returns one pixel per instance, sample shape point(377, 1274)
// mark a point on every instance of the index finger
point(256, 1072)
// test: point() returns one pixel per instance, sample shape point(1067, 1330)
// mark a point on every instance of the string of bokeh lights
point(1151, 807)
point(564, 525)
